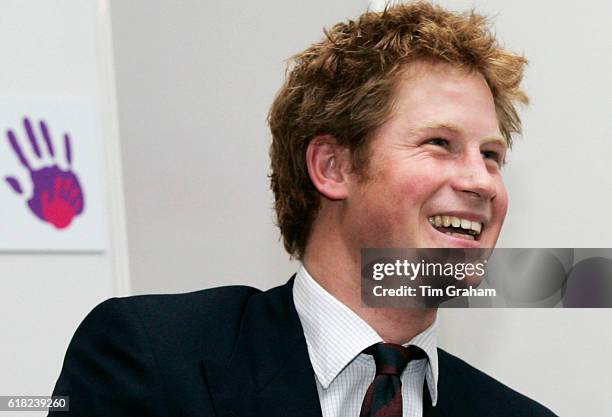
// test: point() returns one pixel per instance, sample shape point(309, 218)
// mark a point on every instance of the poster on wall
point(50, 176)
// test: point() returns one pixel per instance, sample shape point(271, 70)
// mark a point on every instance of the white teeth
point(477, 227)
point(473, 227)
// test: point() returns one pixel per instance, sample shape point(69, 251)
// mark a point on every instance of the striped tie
point(384, 396)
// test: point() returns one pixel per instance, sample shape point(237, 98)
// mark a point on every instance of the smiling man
point(391, 132)
point(433, 170)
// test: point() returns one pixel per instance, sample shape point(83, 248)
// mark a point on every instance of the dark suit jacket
point(230, 351)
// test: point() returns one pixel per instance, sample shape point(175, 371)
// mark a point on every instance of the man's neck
point(340, 276)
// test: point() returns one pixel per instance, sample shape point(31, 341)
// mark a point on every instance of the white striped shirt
point(336, 337)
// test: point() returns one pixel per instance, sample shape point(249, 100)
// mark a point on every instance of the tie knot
point(392, 359)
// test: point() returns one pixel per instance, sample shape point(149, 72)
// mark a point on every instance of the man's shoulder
point(177, 321)
point(129, 348)
point(220, 300)
point(214, 306)
point(461, 385)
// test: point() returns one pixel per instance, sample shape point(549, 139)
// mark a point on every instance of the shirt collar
point(331, 350)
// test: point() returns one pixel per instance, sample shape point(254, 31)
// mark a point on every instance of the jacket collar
point(330, 350)
point(269, 372)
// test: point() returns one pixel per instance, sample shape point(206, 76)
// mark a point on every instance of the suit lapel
point(428, 409)
point(269, 372)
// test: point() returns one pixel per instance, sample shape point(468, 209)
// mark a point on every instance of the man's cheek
point(417, 189)
point(404, 204)
point(500, 204)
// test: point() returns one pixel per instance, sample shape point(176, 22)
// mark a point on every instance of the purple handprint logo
point(57, 196)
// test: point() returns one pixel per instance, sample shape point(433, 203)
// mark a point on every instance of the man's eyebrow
point(457, 129)
point(437, 125)
point(496, 139)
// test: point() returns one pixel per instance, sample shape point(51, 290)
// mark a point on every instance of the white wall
point(58, 49)
point(195, 80)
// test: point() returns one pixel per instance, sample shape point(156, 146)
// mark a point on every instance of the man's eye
point(438, 142)
point(492, 155)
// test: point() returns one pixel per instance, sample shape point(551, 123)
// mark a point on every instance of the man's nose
point(473, 178)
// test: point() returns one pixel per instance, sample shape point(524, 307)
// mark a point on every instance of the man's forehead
point(419, 67)
point(438, 77)
point(424, 95)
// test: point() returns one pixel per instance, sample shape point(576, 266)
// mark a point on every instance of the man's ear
point(329, 166)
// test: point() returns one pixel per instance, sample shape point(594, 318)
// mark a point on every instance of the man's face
point(436, 161)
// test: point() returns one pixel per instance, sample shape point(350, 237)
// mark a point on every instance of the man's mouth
point(456, 226)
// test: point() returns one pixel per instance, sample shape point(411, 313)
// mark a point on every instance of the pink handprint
point(57, 195)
